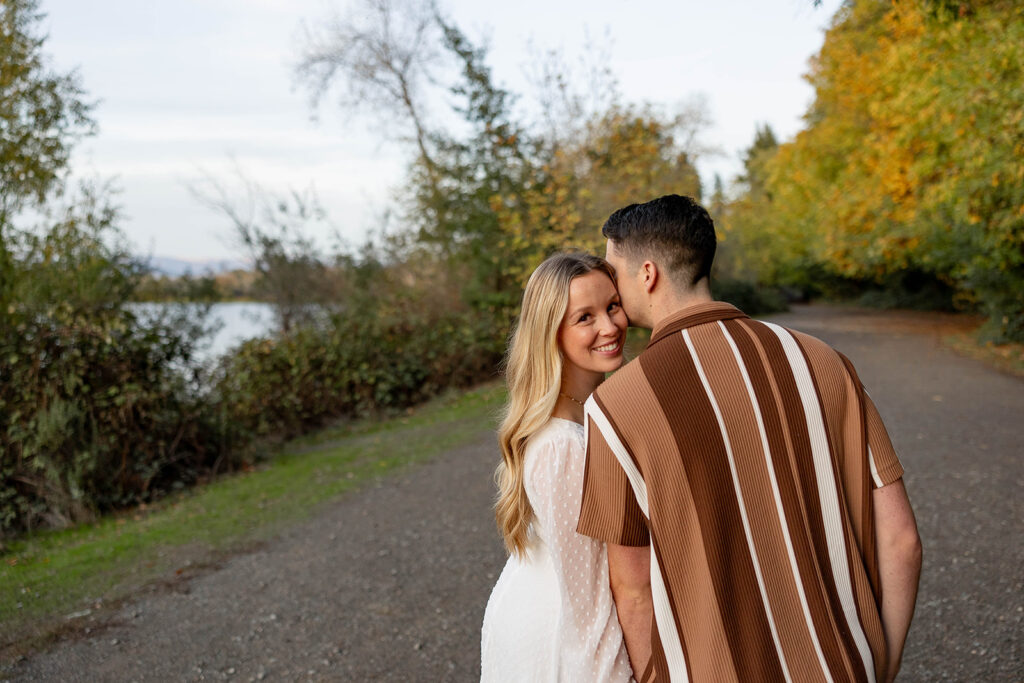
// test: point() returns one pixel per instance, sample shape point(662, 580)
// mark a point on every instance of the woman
point(551, 616)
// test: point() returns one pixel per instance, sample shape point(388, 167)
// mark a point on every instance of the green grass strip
point(49, 577)
point(1007, 357)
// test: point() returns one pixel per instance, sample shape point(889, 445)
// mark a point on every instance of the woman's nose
point(608, 326)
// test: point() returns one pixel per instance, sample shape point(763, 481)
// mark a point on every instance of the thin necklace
point(579, 403)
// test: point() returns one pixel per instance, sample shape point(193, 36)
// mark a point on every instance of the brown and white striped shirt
point(745, 454)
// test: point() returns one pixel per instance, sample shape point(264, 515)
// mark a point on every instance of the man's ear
point(649, 273)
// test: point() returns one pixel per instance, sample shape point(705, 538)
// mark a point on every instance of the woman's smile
point(612, 348)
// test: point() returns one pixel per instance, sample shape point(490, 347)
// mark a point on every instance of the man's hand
point(899, 566)
point(629, 573)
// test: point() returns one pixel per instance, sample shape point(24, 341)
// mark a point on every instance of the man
point(748, 457)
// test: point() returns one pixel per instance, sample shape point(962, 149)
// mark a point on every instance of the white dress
point(551, 616)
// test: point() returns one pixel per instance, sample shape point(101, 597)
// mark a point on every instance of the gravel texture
point(390, 582)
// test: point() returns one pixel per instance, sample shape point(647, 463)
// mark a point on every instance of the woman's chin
point(609, 364)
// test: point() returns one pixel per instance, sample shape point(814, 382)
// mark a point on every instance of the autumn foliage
point(624, 156)
point(911, 161)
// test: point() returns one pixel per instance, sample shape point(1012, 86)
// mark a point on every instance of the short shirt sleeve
point(609, 511)
point(885, 464)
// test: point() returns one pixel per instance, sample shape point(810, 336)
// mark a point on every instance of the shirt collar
point(697, 314)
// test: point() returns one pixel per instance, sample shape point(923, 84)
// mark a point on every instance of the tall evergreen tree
point(755, 157)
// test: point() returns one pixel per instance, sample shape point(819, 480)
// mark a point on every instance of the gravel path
point(390, 583)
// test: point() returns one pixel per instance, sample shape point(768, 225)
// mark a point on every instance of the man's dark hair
point(673, 230)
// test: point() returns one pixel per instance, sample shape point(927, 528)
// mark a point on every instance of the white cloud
point(188, 85)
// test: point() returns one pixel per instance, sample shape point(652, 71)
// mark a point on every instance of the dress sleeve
point(609, 511)
point(885, 464)
point(590, 639)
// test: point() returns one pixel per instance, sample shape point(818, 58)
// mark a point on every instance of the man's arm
point(629, 572)
point(899, 566)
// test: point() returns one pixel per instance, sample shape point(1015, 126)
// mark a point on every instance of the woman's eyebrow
point(579, 309)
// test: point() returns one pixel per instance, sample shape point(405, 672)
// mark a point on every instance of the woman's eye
point(584, 318)
point(613, 305)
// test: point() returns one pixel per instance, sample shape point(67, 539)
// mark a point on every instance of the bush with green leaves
point(97, 418)
point(357, 363)
point(105, 405)
point(101, 405)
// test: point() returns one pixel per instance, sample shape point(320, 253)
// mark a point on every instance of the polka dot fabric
point(551, 616)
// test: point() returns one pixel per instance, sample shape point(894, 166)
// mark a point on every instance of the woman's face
point(594, 327)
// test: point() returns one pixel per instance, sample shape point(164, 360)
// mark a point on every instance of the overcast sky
point(196, 86)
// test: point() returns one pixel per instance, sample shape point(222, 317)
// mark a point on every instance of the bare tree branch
point(569, 95)
point(273, 231)
point(379, 56)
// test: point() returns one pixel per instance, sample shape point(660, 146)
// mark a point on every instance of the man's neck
point(673, 302)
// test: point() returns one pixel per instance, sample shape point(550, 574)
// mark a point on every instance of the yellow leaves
point(915, 122)
point(624, 157)
point(905, 21)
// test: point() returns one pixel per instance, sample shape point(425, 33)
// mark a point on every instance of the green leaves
point(42, 113)
point(911, 161)
point(354, 364)
point(98, 409)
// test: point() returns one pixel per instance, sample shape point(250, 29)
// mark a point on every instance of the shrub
point(749, 298)
point(97, 417)
point(354, 364)
point(99, 407)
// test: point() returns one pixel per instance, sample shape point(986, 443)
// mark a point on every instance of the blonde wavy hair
point(533, 373)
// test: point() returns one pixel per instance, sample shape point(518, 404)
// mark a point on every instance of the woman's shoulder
point(556, 434)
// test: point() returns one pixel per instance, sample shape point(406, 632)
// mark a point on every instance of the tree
point(625, 154)
point(908, 174)
point(490, 196)
point(397, 57)
point(755, 157)
point(383, 57)
point(746, 249)
point(452, 210)
point(718, 197)
point(571, 94)
point(42, 115)
point(292, 274)
point(100, 403)
point(42, 112)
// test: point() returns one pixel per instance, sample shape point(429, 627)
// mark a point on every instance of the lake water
point(239, 321)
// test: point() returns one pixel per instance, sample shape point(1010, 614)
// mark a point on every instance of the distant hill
point(172, 267)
